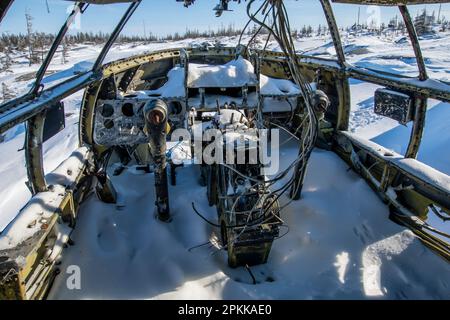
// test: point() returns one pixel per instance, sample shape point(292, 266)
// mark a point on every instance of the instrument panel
point(121, 121)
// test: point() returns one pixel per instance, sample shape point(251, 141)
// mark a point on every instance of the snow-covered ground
point(340, 243)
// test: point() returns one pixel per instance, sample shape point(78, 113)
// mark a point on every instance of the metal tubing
point(417, 129)
point(414, 42)
point(342, 84)
point(156, 116)
point(33, 154)
point(332, 26)
point(421, 102)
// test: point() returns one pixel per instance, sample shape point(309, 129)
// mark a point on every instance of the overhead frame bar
point(4, 7)
point(414, 42)
point(332, 26)
point(78, 8)
point(421, 102)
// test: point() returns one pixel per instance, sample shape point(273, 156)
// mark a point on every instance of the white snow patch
point(236, 73)
point(272, 86)
point(42, 206)
point(341, 264)
point(174, 87)
point(377, 253)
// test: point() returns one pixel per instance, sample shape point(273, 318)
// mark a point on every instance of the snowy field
point(340, 243)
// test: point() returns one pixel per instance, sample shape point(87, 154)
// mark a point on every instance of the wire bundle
point(280, 30)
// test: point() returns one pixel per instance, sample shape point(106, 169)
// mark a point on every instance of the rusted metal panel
point(11, 283)
point(116, 126)
point(437, 193)
point(27, 270)
point(394, 105)
point(413, 192)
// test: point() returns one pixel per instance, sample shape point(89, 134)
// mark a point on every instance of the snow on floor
point(340, 245)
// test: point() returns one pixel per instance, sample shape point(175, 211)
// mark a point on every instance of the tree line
point(37, 43)
point(33, 45)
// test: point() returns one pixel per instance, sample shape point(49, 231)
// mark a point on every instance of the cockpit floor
point(340, 245)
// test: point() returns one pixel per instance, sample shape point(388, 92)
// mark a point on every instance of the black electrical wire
point(251, 273)
point(228, 227)
point(199, 246)
point(284, 234)
point(280, 30)
point(248, 22)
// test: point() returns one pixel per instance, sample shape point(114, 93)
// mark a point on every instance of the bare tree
point(65, 52)
point(424, 22)
point(7, 94)
point(7, 60)
point(32, 55)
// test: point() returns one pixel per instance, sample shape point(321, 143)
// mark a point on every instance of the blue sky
point(162, 17)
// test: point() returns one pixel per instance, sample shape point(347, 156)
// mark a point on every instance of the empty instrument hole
point(109, 124)
point(175, 107)
point(127, 109)
point(107, 110)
